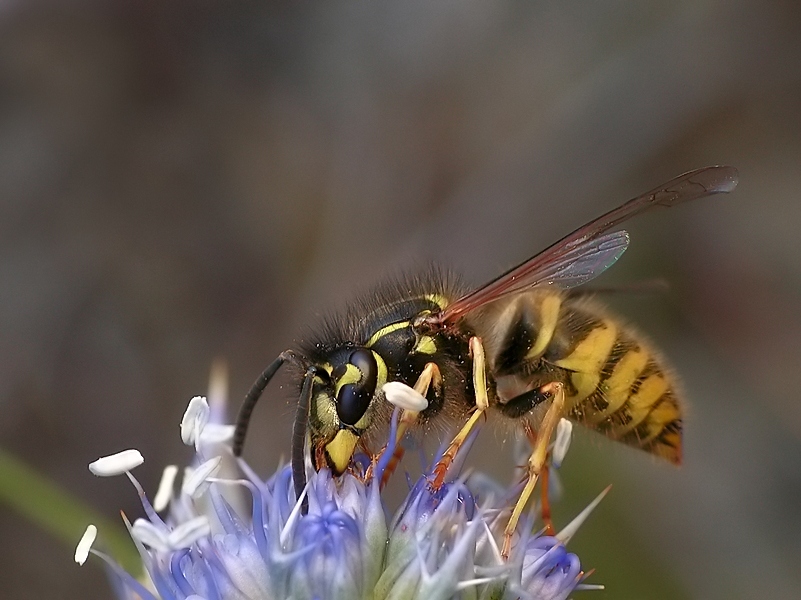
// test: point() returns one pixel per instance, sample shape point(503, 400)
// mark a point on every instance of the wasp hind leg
point(482, 402)
point(537, 460)
point(545, 503)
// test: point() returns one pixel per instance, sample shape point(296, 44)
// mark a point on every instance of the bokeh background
point(182, 181)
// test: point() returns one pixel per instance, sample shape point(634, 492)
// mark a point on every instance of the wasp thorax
point(355, 383)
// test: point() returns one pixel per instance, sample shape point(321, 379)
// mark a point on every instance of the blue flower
point(230, 535)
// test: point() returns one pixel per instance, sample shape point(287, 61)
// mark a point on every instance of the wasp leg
point(522, 404)
point(536, 461)
point(545, 504)
point(430, 376)
point(482, 402)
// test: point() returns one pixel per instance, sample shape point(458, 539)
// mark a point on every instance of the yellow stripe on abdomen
point(642, 402)
point(587, 360)
point(590, 354)
point(617, 387)
point(663, 414)
point(585, 384)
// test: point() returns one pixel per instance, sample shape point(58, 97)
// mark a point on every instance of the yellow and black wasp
point(522, 347)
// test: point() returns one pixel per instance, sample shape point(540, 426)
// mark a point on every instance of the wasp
point(525, 347)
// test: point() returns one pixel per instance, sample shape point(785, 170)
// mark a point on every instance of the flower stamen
point(164, 492)
point(197, 482)
point(194, 420)
point(116, 464)
point(85, 544)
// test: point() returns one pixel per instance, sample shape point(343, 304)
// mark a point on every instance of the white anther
point(194, 420)
point(564, 433)
point(405, 397)
point(183, 536)
point(164, 493)
point(195, 484)
point(189, 532)
point(216, 433)
point(116, 464)
point(87, 539)
point(150, 535)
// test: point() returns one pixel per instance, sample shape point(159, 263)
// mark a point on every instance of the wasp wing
point(569, 268)
point(589, 250)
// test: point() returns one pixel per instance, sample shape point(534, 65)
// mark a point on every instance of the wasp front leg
point(482, 402)
point(536, 462)
point(430, 377)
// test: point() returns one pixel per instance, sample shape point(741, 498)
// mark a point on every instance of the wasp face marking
point(340, 411)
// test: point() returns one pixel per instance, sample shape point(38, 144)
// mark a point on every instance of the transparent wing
point(589, 250)
point(580, 264)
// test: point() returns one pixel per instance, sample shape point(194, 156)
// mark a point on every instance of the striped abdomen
point(615, 382)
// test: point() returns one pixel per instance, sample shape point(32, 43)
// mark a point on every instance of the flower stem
point(59, 513)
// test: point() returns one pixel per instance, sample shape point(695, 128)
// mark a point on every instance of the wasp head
point(342, 407)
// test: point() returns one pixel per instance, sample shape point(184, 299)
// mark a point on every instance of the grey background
point(181, 181)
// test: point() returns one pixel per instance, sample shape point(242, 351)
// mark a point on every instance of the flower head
point(440, 544)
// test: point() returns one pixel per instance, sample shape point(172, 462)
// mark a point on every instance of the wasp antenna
point(299, 429)
point(249, 403)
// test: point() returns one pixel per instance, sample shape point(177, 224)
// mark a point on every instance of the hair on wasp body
point(524, 347)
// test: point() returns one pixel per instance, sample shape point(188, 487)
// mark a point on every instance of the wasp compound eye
point(356, 386)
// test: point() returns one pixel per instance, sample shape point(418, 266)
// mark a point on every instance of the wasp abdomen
point(615, 384)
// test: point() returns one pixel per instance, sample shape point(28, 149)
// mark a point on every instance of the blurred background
point(182, 181)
